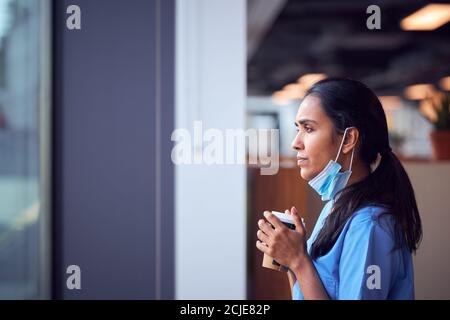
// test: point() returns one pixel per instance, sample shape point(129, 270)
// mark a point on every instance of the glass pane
point(19, 149)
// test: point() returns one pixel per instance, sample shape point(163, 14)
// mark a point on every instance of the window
point(24, 107)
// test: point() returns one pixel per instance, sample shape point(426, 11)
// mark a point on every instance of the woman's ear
point(351, 139)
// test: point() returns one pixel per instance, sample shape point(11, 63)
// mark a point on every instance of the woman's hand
point(286, 246)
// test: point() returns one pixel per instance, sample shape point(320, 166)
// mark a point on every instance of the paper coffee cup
point(268, 261)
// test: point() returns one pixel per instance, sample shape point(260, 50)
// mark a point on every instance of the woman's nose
point(297, 144)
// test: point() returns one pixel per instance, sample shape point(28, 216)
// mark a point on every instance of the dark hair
point(350, 103)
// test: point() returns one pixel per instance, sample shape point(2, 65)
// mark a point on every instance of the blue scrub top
point(363, 263)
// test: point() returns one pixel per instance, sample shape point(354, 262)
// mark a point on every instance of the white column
point(210, 199)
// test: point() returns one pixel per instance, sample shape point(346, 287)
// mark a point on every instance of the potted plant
point(440, 136)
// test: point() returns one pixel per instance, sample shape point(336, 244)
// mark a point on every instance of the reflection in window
point(20, 214)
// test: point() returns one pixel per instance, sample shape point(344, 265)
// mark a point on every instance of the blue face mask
point(330, 181)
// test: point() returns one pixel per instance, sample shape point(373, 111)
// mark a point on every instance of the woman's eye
point(307, 129)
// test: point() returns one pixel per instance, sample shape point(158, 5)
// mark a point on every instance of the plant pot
point(440, 141)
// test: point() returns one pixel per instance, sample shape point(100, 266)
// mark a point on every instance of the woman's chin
point(304, 174)
point(307, 174)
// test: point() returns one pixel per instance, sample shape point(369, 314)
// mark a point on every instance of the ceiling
point(331, 37)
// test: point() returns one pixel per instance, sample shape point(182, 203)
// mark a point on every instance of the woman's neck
point(359, 172)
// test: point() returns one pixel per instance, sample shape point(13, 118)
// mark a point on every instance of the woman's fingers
point(263, 237)
point(262, 247)
point(266, 227)
point(274, 220)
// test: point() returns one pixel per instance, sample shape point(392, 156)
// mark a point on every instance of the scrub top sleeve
point(367, 262)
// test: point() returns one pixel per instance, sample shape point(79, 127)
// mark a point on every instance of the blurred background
point(86, 117)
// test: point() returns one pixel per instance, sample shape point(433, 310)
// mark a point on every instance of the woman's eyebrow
point(304, 121)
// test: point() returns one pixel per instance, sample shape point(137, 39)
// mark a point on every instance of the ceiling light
point(445, 83)
point(294, 91)
point(309, 79)
point(419, 91)
point(430, 17)
point(390, 102)
point(281, 97)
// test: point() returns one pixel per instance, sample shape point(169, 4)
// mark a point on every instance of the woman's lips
point(301, 161)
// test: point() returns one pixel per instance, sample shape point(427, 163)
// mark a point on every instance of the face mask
point(330, 181)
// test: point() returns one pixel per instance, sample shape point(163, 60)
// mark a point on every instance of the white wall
point(431, 182)
point(210, 200)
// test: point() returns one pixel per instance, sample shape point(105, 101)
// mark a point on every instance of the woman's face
point(316, 141)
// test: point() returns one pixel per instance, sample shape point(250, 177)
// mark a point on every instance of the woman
point(362, 242)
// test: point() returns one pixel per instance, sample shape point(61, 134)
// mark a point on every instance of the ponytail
point(392, 177)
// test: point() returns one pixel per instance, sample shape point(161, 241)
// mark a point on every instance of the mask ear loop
point(340, 148)
point(342, 143)
point(351, 160)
